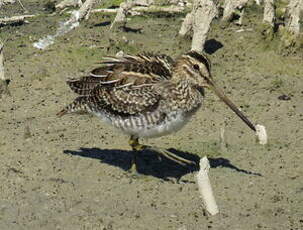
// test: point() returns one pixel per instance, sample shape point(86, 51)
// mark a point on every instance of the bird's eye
point(196, 67)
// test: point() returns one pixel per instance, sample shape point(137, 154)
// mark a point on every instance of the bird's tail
point(77, 106)
point(62, 112)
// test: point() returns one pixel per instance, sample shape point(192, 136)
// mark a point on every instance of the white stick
point(269, 12)
point(230, 6)
point(68, 3)
point(203, 13)
point(187, 25)
point(261, 134)
point(149, 9)
point(85, 10)
point(222, 139)
point(73, 22)
point(122, 12)
point(258, 2)
point(2, 76)
point(3, 2)
point(3, 79)
point(205, 187)
point(15, 19)
point(25, 10)
point(169, 9)
point(125, 8)
point(294, 8)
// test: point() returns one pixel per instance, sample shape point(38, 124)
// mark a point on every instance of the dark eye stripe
point(200, 58)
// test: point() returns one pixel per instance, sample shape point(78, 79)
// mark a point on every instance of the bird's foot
point(133, 168)
point(170, 155)
point(136, 146)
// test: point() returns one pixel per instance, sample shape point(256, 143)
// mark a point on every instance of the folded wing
point(122, 86)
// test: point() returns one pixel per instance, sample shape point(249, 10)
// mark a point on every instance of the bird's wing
point(125, 101)
point(122, 86)
point(129, 71)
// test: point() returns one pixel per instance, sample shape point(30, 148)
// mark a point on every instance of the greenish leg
point(134, 143)
point(136, 146)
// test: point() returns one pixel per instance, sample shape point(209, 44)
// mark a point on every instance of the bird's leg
point(169, 155)
point(136, 146)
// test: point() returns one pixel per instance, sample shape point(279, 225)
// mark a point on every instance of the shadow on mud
point(149, 163)
point(212, 45)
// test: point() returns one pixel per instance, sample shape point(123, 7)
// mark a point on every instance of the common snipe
point(147, 95)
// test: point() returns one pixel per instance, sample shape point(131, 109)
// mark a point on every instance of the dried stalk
point(187, 25)
point(3, 80)
point(294, 9)
point(230, 6)
point(15, 19)
point(258, 2)
point(144, 2)
point(84, 11)
point(122, 12)
point(127, 6)
point(269, 12)
point(199, 20)
point(138, 9)
point(261, 134)
point(22, 6)
point(203, 13)
point(2, 77)
point(222, 140)
point(205, 187)
point(3, 2)
point(68, 3)
point(73, 22)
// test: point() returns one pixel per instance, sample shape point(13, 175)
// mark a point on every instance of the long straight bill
point(230, 104)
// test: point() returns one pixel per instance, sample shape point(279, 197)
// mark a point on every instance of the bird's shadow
point(101, 24)
point(212, 45)
point(149, 163)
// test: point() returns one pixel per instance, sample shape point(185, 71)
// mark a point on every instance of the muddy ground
point(71, 173)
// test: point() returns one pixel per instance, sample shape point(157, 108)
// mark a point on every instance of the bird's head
point(196, 69)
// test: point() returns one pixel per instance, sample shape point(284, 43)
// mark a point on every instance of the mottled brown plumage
point(146, 95)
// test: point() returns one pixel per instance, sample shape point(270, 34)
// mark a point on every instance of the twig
point(68, 3)
point(269, 12)
point(131, 7)
point(222, 139)
point(169, 9)
point(122, 12)
point(199, 20)
point(73, 22)
point(2, 77)
point(187, 25)
point(85, 9)
point(261, 134)
point(3, 81)
point(3, 2)
point(203, 12)
point(22, 6)
point(230, 7)
point(294, 9)
point(205, 187)
point(15, 19)
point(139, 9)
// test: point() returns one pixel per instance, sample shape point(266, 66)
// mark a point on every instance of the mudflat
point(71, 172)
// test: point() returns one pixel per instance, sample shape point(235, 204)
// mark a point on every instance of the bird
point(147, 95)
